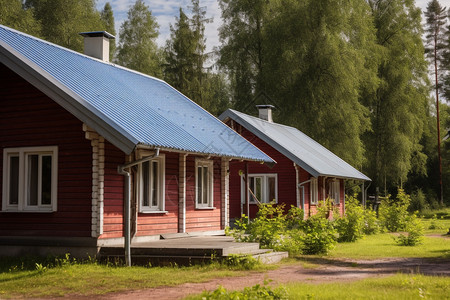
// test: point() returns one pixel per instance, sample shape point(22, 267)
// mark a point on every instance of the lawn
point(399, 286)
point(91, 279)
point(37, 278)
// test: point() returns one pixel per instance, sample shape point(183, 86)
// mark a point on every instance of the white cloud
point(165, 12)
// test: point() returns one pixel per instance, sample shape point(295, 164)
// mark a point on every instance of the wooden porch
point(186, 250)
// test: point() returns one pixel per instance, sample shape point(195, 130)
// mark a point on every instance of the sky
point(165, 12)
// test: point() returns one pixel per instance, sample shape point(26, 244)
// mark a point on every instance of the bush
point(371, 223)
point(255, 292)
point(418, 201)
point(268, 226)
point(393, 213)
point(414, 229)
point(351, 226)
point(319, 234)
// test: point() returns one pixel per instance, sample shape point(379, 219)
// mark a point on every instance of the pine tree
point(107, 17)
point(435, 28)
point(137, 47)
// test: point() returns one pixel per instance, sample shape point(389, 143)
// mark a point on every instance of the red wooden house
point(305, 172)
point(95, 154)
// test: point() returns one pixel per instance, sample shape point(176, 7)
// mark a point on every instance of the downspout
point(365, 194)
point(300, 185)
point(247, 187)
point(121, 170)
point(297, 187)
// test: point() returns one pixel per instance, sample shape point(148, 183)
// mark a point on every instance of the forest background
point(358, 76)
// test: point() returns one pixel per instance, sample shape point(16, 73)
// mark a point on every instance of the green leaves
point(137, 48)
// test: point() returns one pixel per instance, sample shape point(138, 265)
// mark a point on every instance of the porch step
point(180, 249)
point(271, 257)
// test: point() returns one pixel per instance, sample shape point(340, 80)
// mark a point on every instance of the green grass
point(399, 286)
point(383, 245)
point(92, 279)
point(443, 213)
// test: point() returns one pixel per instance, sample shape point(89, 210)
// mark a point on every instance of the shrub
point(246, 262)
point(418, 201)
point(393, 213)
point(414, 229)
point(255, 292)
point(319, 234)
point(351, 226)
point(268, 226)
point(371, 223)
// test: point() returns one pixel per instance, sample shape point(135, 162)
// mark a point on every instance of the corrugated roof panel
point(146, 108)
point(294, 144)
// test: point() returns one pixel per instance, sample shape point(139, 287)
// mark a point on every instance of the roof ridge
point(79, 53)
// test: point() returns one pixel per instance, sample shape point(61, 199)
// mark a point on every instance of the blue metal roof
point(297, 146)
point(126, 107)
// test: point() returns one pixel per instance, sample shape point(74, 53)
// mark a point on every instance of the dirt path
point(327, 271)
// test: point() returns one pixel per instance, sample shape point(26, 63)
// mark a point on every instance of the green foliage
point(107, 17)
point(241, 262)
point(371, 223)
point(319, 234)
point(414, 232)
point(351, 226)
point(434, 224)
point(418, 201)
point(137, 48)
point(14, 15)
point(251, 293)
point(62, 21)
point(400, 104)
point(393, 213)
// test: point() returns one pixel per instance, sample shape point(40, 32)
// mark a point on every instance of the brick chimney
point(265, 112)
point(96, 44)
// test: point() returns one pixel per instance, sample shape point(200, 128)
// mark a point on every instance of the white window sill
point(27, 211)
point(154, 212)
point(205, 208)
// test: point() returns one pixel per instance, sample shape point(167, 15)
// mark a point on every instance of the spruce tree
point(107, 17)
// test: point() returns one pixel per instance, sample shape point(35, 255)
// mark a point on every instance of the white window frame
point(335, 190)
point(23, 153)
point(265, 187)
point(161, 182)
point(314, 191)
point(209, 164)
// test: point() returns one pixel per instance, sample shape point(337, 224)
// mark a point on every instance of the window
point(262, 186)
point(151, 185)
point(30, 179)
point(334, 189)
point(204, 179)
point(314, 191)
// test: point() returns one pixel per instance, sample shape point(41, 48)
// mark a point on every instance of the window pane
point(46, 185)
point(205, 185)
point(145, 183)
point(33, 173)
point(271, 187)
point(199, 185)
point(258, 188)
point(14, 180)
point(154, 183)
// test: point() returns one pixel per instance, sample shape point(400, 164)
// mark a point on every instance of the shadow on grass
point(425, 266)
